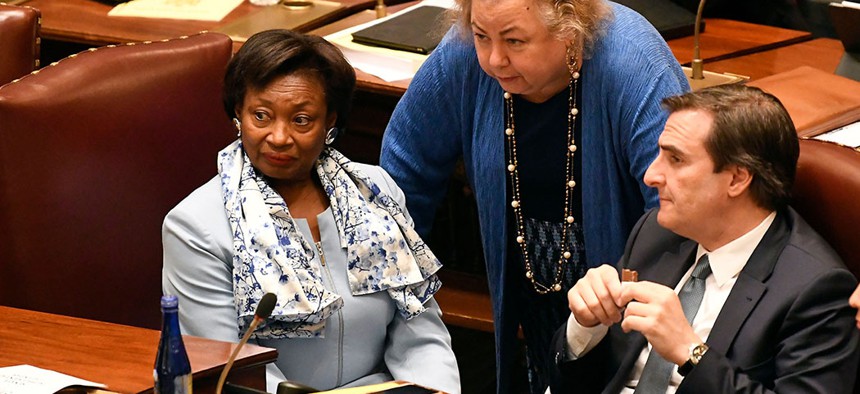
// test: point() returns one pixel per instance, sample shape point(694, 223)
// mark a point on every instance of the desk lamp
point(696, 75)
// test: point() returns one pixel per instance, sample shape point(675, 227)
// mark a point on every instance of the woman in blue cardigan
point(554, 107)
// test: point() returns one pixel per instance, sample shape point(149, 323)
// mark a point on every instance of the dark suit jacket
point(785, 327)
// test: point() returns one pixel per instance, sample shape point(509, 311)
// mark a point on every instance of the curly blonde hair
point(567, 20)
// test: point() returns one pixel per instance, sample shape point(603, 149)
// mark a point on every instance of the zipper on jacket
point(339, 316)
point(320, 252)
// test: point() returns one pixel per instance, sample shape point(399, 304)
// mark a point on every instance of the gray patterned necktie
point(656, 373)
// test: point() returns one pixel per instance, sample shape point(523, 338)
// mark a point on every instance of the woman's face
point(515, 47)
point(284, 126)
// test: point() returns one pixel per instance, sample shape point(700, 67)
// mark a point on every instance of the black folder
point(417, 30)
point(670, 19)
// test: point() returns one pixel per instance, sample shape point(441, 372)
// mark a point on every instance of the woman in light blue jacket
point(289, 215)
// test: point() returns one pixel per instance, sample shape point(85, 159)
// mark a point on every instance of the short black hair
point(270, 54)
point(752, 130)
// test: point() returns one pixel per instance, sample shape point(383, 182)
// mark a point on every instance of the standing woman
point(554, 106)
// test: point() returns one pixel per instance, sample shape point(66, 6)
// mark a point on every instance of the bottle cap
point(169, 301)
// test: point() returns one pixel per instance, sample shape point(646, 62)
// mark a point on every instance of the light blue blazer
point(364, 342)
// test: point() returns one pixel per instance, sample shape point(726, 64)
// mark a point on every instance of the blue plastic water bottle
point(172, 371)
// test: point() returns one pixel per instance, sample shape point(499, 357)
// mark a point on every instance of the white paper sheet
point(847, 135)
point(27, 379)
point(387, 64)
point(202, 10)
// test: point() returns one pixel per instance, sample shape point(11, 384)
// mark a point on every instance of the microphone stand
point(697, 76)
point(698, 67)
point(381, 11)
point(264, 309)
point(223, 378)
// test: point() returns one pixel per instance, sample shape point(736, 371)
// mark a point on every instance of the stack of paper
point(847, 136)
point(203, 10)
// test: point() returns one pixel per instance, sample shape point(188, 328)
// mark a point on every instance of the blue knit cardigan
point(452, 109)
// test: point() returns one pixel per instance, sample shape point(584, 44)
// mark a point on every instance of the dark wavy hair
point(752, 130)
point(270, 54)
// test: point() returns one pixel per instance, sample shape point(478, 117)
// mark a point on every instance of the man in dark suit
point(735, 292)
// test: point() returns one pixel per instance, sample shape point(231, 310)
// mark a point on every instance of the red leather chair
point(19, 41)
point(94, 151)
point(827, 195)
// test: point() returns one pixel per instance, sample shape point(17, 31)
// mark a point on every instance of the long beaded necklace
point(570, 183)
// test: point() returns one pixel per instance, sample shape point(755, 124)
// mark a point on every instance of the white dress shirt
point(726, 263)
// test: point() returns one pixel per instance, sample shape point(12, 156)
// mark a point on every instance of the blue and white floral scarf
point(384, 252)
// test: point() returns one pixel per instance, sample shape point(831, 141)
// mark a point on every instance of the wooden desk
point(464, 301)
point(821, 53)
point(725, 39)
point(87, 22)
point(122, 357)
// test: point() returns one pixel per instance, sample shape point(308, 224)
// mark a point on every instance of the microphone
point(697, 76)
point(264, 309)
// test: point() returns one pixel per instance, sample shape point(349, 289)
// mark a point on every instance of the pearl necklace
point(570, 183)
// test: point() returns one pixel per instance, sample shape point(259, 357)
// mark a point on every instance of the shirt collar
point(728, 260)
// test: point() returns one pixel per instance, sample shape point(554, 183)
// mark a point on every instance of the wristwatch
point(696, 354)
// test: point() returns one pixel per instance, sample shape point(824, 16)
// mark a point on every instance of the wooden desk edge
point(251, 356)
point(465, 308)
point(208, 357)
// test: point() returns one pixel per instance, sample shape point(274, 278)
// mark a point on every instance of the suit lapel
point(671, 266)
point(750, 286)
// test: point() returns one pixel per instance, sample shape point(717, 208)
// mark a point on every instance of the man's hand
point(655, 311)
point(593, 299)
point(854, 301)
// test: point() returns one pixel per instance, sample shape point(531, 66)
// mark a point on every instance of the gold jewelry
point(570, 183)
point(697, 351)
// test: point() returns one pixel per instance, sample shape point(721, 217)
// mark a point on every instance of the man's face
point(692, 195)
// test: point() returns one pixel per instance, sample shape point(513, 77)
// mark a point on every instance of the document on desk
point(202, 10)
point(848, 135)
point(27, 379)
point(387, 64)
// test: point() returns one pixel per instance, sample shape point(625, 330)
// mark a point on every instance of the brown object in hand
point(628, 275)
